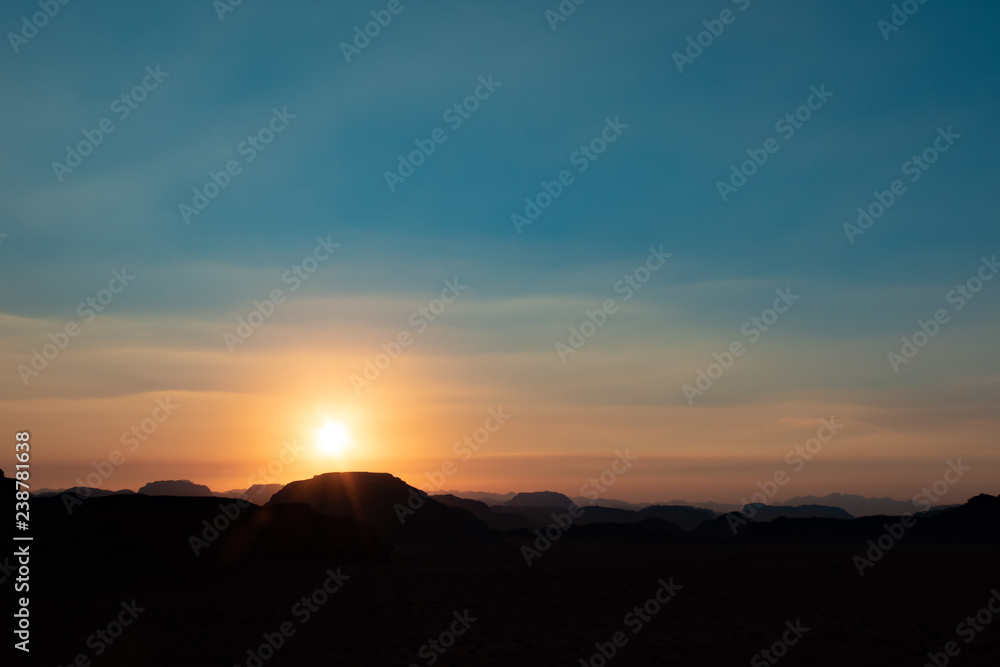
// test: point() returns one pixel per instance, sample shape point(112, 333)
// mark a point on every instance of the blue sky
point(656, 185)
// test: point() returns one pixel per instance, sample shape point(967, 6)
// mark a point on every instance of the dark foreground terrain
point(481, 604)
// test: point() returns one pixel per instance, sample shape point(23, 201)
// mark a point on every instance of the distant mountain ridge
point(720, 508)
point(403, 514)
point(486, 497)
point(85, 491)
point(762, 512)
point(851, 504)
point(258, 494)
point(857, 505)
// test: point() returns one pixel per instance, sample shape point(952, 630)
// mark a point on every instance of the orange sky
point(566, 421)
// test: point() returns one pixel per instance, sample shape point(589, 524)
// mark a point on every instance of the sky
point(504, 246)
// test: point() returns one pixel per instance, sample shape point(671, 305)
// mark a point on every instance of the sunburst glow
point(332, 439)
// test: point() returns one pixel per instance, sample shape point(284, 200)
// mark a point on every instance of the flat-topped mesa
point(540, 499)
point(176, 487)
point(395, 509)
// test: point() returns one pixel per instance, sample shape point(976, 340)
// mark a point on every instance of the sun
point(332, 439)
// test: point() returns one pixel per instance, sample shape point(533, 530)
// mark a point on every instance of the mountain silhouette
point(496, 517)
point(477, 508)
point(138, 530)
point(258, 494)
point(176, 487)
point(686, 518)
point(7, 485)
point(762, 512)
point(540, 499)
point(83, 491)
point(486, 497)
point(221, 571)
point(857, 506)
point(398, 511)
point(718, 508)
point(610, 502)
